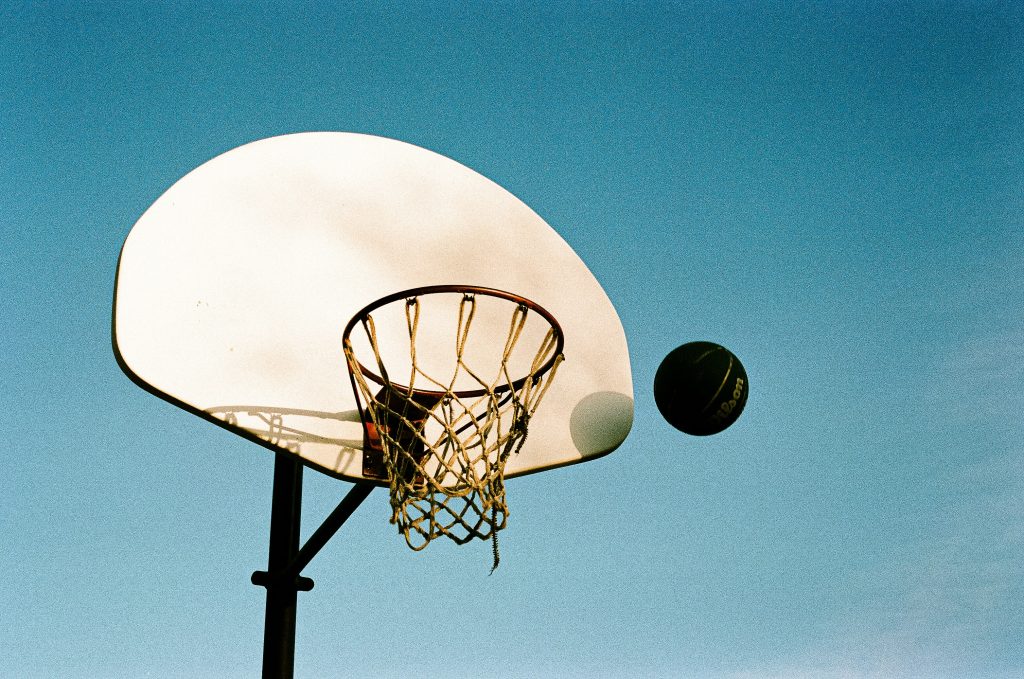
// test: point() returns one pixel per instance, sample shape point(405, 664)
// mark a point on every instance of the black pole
point(286, 561)
point(325, 532)
point(282, 596)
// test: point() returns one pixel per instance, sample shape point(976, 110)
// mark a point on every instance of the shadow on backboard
point(335, 439)
point(599, 418)
point(292, 428)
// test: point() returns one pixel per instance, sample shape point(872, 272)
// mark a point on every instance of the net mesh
point(444, 450)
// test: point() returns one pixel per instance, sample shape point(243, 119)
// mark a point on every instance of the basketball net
point(443, 451)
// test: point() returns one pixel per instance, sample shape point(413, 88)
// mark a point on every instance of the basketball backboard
point(234, 287)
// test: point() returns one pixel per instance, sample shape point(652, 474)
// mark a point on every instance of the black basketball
point(701, 388)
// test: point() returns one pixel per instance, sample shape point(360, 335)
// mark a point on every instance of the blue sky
point(834, 191)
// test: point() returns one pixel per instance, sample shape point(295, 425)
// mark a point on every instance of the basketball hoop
point(441, 439)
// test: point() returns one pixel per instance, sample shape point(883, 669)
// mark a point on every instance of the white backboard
point(234, 287)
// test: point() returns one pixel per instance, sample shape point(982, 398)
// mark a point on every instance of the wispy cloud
point(980, 380)
point(949, 603)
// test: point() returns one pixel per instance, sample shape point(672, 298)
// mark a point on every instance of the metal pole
point(325, 532)
point(286, 561)
point(282, 596)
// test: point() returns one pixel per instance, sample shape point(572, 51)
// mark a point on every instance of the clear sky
point(835, 191)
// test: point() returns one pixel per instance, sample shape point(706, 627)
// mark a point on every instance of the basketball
point(701, 388)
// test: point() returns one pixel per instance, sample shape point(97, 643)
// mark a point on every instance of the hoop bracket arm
point(316, 542)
